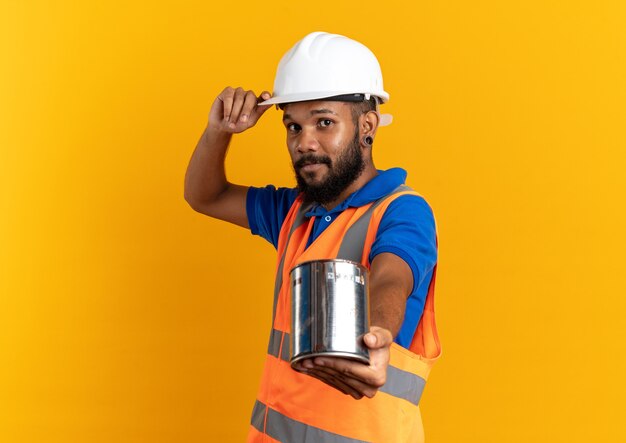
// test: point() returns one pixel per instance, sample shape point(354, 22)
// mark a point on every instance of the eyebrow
point(313, 112)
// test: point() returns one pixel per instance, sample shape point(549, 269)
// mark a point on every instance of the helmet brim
point(318, 95)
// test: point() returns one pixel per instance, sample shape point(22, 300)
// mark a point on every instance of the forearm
point(205, 179)
point(387, 306)
point(391, 282)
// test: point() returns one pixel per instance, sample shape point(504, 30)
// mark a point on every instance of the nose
point(307, 141)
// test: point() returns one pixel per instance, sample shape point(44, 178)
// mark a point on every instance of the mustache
point(310, 159)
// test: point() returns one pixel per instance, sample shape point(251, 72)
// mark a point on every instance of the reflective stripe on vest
point(282, 428)
point(293, 407)
point(300, 218)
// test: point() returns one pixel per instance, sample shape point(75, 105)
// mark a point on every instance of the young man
point(329, 88)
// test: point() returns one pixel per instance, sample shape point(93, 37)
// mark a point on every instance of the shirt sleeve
point(407, 230)
point(267, 209)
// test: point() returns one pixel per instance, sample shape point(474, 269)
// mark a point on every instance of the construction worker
point(330, 88)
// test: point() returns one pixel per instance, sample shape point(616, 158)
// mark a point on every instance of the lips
point(311, 162)
point(311, 167)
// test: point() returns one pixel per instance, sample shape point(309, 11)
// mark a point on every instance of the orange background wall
point(127, 317)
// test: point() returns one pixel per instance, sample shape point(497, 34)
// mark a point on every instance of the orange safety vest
point(292, 407)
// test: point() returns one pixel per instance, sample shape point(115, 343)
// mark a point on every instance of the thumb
point(378, 338)
point(259, 110)
point(264, 96)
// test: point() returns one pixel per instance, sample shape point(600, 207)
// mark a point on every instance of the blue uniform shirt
point(407, 230)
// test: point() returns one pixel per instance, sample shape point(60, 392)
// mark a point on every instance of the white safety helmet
point(324, 65)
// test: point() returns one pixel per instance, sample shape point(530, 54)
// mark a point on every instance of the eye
point(325, 122)
point(293, 127)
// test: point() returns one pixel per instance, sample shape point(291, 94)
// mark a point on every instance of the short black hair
point(360, 108)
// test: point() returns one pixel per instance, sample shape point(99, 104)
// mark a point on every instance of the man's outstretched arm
point(391, 281)
point(206, 188)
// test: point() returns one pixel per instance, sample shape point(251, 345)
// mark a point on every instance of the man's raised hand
point(236, 110)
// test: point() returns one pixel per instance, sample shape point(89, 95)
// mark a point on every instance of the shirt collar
point(379, 186)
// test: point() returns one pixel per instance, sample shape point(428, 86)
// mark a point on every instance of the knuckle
point(378, 381)
point(370, 393)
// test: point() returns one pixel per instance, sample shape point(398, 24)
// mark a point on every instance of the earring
point(368, 140)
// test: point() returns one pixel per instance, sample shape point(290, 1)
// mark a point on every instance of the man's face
point(324, 146)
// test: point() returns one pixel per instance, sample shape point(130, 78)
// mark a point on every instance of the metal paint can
point(329, 310)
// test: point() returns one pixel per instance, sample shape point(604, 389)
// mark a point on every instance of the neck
point(368, 173)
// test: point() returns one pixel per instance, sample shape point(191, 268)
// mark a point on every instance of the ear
point(368, 123)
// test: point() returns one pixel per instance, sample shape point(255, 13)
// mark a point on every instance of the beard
point(346, 169)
